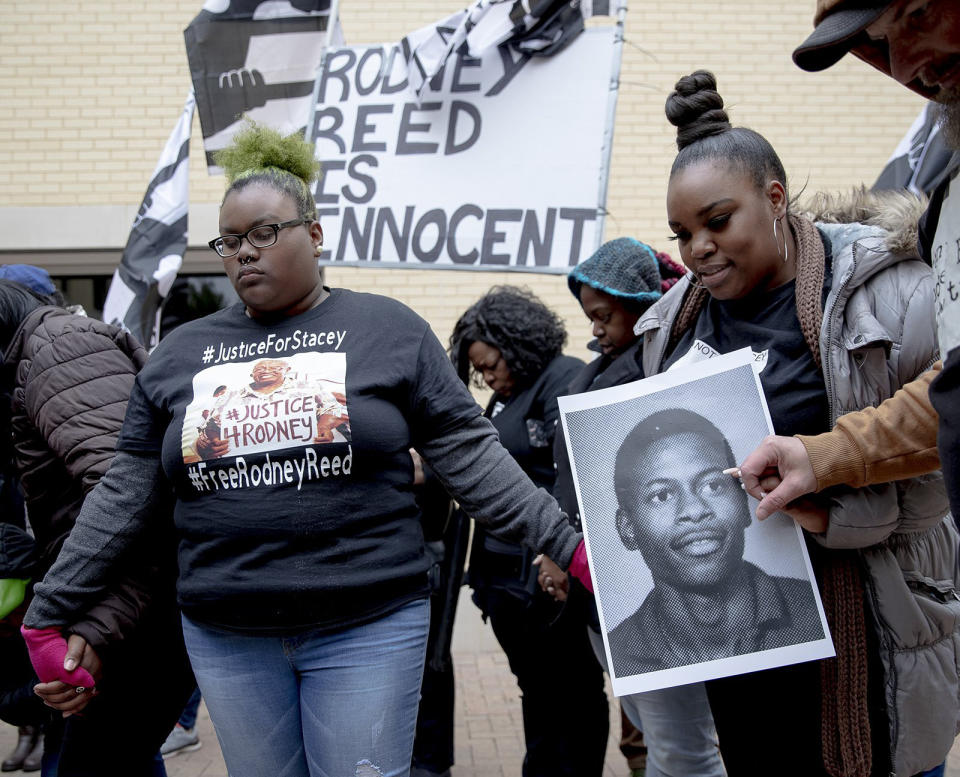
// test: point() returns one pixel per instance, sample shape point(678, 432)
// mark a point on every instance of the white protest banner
point(497, 167)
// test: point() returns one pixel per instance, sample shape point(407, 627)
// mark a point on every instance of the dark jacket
point(529, 418)
point(601, 373)
point(526, 424)
point(71, 378)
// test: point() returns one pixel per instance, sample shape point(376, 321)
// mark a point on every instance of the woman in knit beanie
point(615, 287)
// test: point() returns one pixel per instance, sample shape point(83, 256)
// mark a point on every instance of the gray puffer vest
point(878, 334)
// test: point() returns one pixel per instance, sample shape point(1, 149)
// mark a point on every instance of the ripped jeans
point(309, 705)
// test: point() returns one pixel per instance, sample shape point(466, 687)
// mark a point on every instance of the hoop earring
point(785, 252)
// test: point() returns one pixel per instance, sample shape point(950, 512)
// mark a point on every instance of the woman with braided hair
point(838, 315)
point(302, 568)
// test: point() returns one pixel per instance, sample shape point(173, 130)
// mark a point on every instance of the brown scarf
point(844, 716)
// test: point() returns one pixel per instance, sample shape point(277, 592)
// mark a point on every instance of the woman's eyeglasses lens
point(262, 236)
point(258, 237)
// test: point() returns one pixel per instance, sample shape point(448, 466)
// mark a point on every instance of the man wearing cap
point(916, 42)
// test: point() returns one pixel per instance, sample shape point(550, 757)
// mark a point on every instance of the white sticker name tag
point(701, 351)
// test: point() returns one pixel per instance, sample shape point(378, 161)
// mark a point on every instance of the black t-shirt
point(767, 323)
point(288, 448)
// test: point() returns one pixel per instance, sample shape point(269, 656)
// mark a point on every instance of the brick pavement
point(488, 729)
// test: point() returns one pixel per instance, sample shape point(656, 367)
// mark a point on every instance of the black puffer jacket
point(71, 377)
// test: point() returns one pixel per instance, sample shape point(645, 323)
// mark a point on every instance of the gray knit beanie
point(624, 268)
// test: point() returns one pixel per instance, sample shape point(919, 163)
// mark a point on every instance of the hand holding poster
point(496, 167)
point(689, 585)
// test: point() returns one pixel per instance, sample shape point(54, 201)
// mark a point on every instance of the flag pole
point(154, 251)
point(332, 20)
point(607, 152)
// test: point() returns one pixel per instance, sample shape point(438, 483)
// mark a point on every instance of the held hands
point(66, 669)
point(580, 567)
point(779, 473)
point(551, 578)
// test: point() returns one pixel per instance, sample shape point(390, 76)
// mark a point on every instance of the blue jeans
point(188, 718)
point(677, 727)
point(315, 705)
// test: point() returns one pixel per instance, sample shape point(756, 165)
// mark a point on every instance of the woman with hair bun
point(282, 427)
point(839, 317)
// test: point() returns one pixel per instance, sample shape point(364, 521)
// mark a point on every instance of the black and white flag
point(532, 27)
point(158, 239)
point(922, 159)
point(257, 58)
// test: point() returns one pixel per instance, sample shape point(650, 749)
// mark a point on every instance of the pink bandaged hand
point(48, 648)
point(580, 567)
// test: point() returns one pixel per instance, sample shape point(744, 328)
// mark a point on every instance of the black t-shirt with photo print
point(287, 446)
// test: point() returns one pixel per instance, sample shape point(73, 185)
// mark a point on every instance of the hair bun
point(695, 108)
point(256, 147)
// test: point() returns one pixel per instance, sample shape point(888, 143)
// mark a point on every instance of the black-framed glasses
point(261, 236)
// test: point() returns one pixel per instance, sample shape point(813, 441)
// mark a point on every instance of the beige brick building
point(91, 91)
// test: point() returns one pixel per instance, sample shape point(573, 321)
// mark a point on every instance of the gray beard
point(950, 120)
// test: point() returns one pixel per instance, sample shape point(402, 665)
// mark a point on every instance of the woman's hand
point(777, 473)
point(66, 669)
point(67, 699)
point(50, 654)
point(551, 578)
point(71, 699)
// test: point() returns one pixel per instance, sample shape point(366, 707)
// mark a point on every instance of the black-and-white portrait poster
point(690, 585)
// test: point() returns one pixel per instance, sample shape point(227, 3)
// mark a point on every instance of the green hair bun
point(256, 148)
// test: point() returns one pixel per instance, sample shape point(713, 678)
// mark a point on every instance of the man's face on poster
point(683, 514)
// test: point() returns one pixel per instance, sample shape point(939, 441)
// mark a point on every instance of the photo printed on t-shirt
point(266, 404)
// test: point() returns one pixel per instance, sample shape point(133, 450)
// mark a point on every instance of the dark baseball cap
point(839, 26)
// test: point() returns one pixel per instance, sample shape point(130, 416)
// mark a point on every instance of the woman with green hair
point(282, 426)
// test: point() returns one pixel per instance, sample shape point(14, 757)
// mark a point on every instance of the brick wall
point(92, 89)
